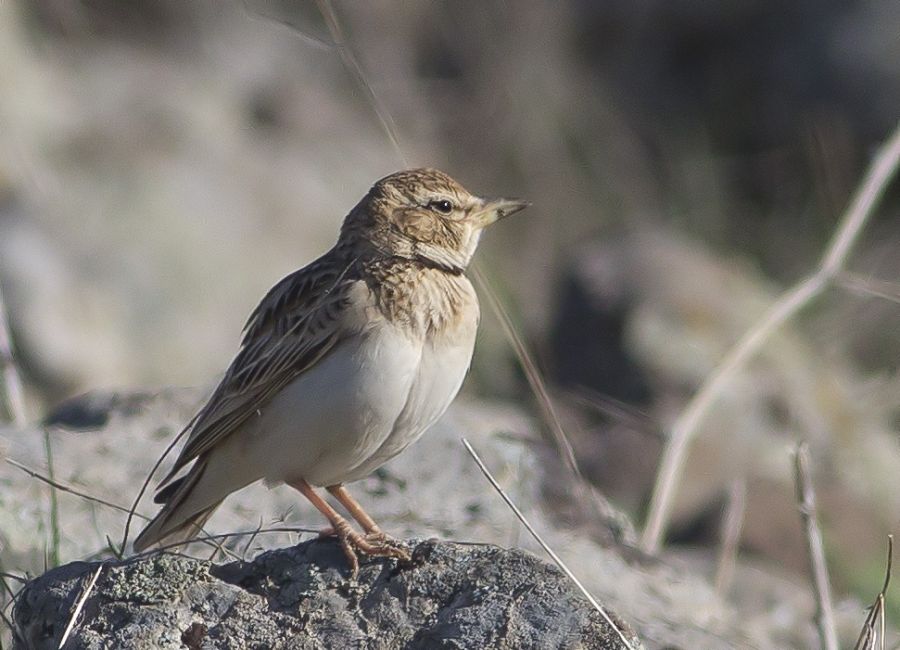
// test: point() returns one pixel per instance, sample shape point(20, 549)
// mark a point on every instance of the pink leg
point(350, 540)
point(352, 505)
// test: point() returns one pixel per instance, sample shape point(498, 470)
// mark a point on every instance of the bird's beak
point(495, 209)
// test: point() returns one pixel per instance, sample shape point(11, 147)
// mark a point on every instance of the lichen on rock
point(449, 595)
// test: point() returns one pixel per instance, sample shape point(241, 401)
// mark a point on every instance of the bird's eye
point(441, 205)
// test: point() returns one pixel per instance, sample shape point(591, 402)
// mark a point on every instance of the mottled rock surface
point(434, 489)
point(449, 596)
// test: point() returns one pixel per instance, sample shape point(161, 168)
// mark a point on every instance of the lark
point(344, 363)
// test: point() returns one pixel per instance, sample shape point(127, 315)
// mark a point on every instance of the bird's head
point(425, 216)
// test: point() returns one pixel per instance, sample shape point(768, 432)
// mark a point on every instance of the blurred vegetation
point(163, 162)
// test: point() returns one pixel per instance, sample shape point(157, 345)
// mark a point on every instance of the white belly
point(358, 407)
point(442, 369)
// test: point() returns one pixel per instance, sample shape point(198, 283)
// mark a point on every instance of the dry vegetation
point(710, 272)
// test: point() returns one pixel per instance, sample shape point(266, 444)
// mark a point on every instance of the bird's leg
point(350, 540)
point(374, 535)
point(352, 505)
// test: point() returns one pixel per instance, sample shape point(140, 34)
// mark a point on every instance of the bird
point(343, 364)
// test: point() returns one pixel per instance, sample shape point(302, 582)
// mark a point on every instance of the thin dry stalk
point(873, 287)
point(63, 487)
point(55, 534)
point(872, 633)
point(879, 176)
point(220, 548)
point(250, 540)
point(560, 440)
point(212, 539)
point(14, 395)
point(307, 38)
point(9, 601)
point(556, 559)
point(618, 411)
point(7, 596)
point(78, 493)
point(146, 484)
point(352, 64)
point(79, 605)
point(732, 523)
point(68, 488)
point(7, 622)
point(818, 569)
point(532, 374)
point(4, 575)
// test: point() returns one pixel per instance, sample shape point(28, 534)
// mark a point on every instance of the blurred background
point(164, 162)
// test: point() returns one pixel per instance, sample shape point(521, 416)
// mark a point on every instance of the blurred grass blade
point(13, 393)
point(55, 535)
point(815, 548)
point(352, 64)
point(872, 634)
point(532, 374)
point(866, 198)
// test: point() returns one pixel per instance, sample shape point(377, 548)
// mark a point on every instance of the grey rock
point(448, 596)
point(432, 490)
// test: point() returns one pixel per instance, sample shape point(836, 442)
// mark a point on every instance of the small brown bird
point(344, 363)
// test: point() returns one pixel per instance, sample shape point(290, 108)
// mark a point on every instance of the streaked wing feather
point(292, 329)
point(232, 411)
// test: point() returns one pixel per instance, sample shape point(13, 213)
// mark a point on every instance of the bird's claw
point(389, 546)
point(374, 543)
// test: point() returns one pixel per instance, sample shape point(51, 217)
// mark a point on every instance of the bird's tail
point(181, 518)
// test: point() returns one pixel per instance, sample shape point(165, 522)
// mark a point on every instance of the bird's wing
point(296, 325)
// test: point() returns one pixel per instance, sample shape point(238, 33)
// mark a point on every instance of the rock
point(434, 489)
point(450, 595)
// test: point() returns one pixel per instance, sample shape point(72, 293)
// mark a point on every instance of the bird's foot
point(396, 547)
point(374, 543)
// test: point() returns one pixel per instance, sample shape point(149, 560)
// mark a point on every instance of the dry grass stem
point(618, 411)
point(4, 575)
point(250, 541)
point(818, 569)
point(880, 173)
point(7, 622)
point(213, 539)
point(532, 374)
point(873, 287)
point(307, 38)
point(872, 633)
point(55, 534)
point(536, 382)
point(68, 488)
point(556, 559)
point(78, 606)
point(352, 64)
point(13, 393)
point(732, 523)
point(153, 470)
point(8, 596)
point(219, 547)
point(109, 504)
